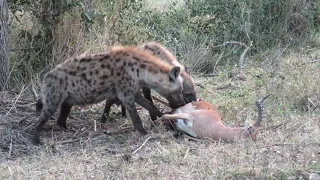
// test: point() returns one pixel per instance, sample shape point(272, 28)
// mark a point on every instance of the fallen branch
point(200, 85)
point(224, 87)
point(209, 75)
point(277, 126)
point(246, 49)
point(13, 105)
point(314, 61)
point(243, 45)
point(68, 141)
point(242, 58)
point(161, 101)
point(302, 144)
point(135, 151)
point(117, 131)
point(33, 90)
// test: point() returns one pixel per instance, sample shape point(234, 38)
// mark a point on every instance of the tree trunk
point(4, 59)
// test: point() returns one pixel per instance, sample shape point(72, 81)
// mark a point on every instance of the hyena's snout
point(189, 97)
point(176, 100)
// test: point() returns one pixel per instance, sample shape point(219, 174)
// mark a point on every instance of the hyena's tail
point(38, 98)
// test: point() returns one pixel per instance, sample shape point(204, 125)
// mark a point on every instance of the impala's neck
point(229, 134)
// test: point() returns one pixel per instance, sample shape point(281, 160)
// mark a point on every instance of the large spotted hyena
point(189, 93)
point(120, 72)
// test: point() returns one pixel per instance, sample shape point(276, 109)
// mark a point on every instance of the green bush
point(186, 28)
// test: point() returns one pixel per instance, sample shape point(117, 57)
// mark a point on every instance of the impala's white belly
point(185, 125)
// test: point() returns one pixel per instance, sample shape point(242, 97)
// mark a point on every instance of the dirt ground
point(288, 145)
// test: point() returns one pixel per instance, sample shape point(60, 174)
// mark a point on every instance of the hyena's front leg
point(129, 104)
point(49, 108)
point(147, 105)
point(147, 94)
point(64, 113)
point(127, 97)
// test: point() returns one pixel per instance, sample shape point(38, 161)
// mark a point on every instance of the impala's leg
point(175, 116)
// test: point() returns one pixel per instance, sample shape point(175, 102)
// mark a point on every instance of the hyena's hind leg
point(109, 103)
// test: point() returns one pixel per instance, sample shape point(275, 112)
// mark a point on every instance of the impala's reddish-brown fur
point(199, 119)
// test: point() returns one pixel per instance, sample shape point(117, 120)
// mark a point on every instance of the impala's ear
point(248, 124)
point(174, 73)
point(187, 70)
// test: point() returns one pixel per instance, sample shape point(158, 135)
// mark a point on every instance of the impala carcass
point(199, 119)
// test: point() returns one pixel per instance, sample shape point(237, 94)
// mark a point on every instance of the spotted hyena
point(120, 72)
point(165, 55)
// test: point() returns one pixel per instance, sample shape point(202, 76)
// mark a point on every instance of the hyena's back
point(88, 79)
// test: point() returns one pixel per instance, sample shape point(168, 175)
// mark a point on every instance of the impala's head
point(252, 127)
point(202, 105)
point(251, 130)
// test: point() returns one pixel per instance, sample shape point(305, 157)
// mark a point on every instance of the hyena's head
point(189, 93)
point(165, 55)
point(170, 86)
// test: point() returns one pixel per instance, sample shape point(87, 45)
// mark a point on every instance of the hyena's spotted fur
point(165, 55)
point(120, 72)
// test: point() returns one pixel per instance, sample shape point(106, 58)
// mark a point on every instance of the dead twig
point(161, 101)
point(277, 126)
point(310, 62)
point(243, 45)
point(209, 75)
point(117, 131)
point(13, 105)
point(218, 60)
point(212, 47)
point(241, 75)
point(33, 90)
point(224, 86)
point(186, 153)
point(135, 151)
point(313, 104)
point(291, 144)
point(10, 147)
point(200, 85)
point(68, 141)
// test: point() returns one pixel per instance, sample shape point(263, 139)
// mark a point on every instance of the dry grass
point(287, 147)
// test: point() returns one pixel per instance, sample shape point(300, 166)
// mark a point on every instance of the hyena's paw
point(62, 125)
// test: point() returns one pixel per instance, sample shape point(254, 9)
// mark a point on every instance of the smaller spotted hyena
point(189, 93)
point(120, 72)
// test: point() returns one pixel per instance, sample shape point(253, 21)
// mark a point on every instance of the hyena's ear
point(187, 70)
point(174, 73)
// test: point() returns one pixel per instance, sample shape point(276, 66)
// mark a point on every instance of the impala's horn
point(260, 110)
